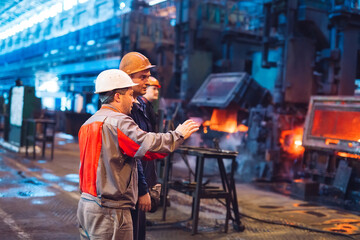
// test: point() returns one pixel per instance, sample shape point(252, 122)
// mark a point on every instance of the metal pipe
point(266, 38)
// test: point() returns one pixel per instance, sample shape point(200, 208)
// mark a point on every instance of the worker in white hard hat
point(110, 142)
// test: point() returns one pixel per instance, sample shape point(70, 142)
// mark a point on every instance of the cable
point(291, 225)
point(297, 226)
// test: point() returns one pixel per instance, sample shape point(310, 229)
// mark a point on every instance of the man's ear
point(117, 97)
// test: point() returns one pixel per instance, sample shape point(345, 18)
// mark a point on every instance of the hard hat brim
point(130, 85)
point(142, 69)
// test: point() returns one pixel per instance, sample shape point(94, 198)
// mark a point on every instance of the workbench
point(198, 190)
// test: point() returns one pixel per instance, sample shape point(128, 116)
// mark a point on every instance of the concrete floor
point(38, 200)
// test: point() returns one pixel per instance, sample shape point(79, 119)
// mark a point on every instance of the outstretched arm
point(137, 143)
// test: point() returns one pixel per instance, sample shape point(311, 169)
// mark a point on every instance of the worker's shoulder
point(108, 116)
point(116, 119)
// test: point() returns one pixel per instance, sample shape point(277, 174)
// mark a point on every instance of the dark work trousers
point(139, 223)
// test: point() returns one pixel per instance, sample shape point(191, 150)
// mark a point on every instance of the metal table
point(44, 137)
point(197, 190)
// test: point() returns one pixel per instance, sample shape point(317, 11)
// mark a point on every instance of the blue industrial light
point(173, 22)
point(122, 5)
point(50, 86)
point(154, 2)
point(52, 11)
point(37, 18)
point(54, 51)
point(48, 102)
point(65, 104)
point(90, 42)
point(69, 4)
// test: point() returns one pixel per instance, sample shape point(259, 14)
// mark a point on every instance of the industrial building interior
point(277, 81)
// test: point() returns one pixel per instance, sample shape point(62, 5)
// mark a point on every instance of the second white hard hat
point(111, 79)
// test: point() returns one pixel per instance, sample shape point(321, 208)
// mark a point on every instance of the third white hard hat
point(112, 79)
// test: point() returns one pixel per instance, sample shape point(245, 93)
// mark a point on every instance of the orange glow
point(206, 124)
point(346, 226)
point(347, 155)
point(223, 120)
point(331, 141)
point(336, 124)
point(342, 228)
point(291, 141)
point(242, 128)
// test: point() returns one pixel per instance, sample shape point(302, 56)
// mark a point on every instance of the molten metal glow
point(336, 124)
point(291, 141)
point(224, 121)
point(331, 141)
point(347, 155)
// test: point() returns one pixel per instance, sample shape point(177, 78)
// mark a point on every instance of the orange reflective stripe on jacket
point(90, 149)
point(127, 146)
point(152, 155)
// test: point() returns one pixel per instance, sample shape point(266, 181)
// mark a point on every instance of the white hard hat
point(112, 79)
